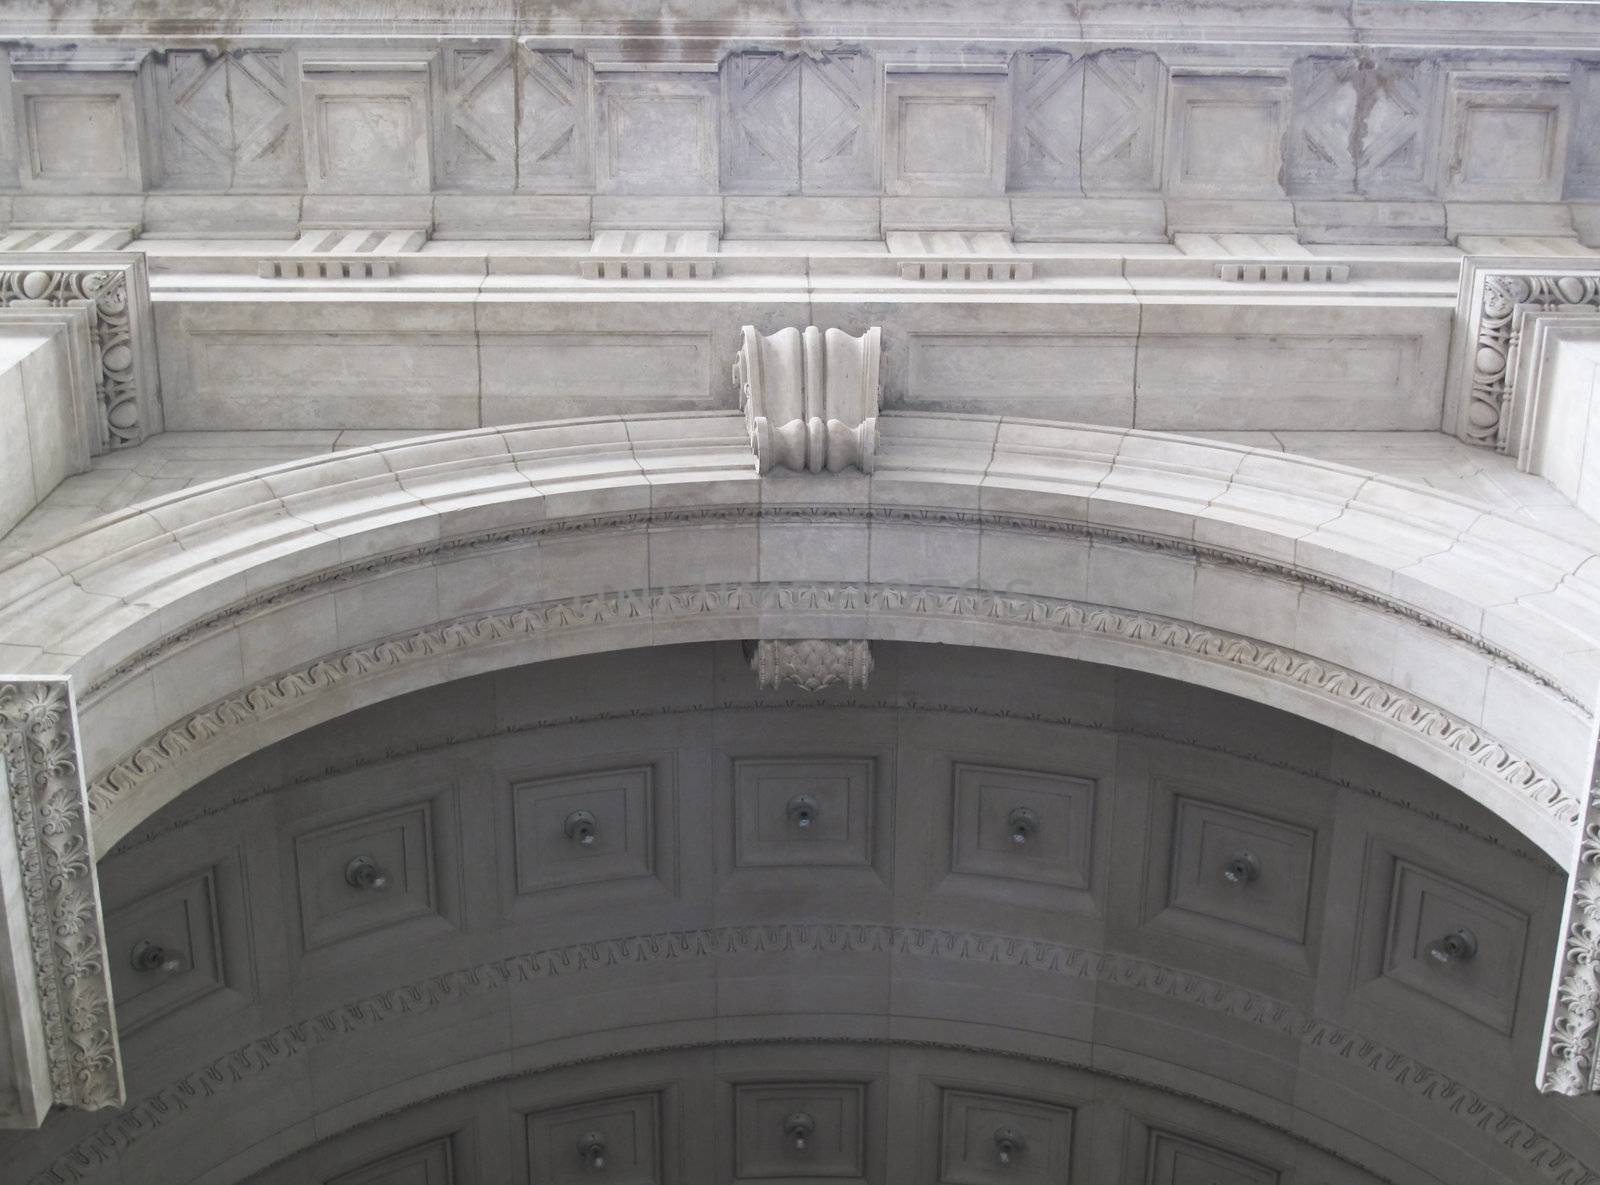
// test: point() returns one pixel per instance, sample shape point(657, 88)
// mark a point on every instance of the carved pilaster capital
point(60, 900)
point(114, 291)
point(1494, 298)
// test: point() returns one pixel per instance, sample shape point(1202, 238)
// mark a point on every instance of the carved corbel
point(64, 1050)
point(810, 397)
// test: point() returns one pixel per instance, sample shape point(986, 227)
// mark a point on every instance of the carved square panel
point(761, 122)
point(1423, 908)
point(1047, 122)
point(803, 811)
point(268, 144)
point(196, 126)
point(628, 1131)
point(555, 133)
point(991, 1139)
point(1507, 136)
point(180, 920)
point(1051, 813)
point(1172, 1159)
point(398, 842)
point(838, 123)
point(424, 1164)
point(1124, 111)
point(1225, 135)
point(81, 133)
point(657, 134)
point(478, 85)
point(1273, 894)
point(1393, 154)
point(945, 133)
point(614, 809)
point(835, 1141)
point(369, 126)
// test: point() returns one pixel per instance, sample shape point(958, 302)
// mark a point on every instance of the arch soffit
point(202, 626)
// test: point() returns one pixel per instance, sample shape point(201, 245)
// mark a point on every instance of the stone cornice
point(1324, 22)
point(50, 818)
point(1389, 1068)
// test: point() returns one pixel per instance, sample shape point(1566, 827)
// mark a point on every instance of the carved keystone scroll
point(810, 397)
point(64, 1051)
point(812, 663)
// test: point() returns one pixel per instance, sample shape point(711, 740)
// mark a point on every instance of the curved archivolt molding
point(1334, 1052)
point(202, 626)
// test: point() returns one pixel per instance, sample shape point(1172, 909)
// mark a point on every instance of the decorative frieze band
point(114, 291)
point(49, 813)
point(1384, 703)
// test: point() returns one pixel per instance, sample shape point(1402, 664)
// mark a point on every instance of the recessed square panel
point(1481, 978)
point(181, 921)
point(1022, 825)
point(368, 125)
point(77, 136)
point(1508, 144)
point(1242, 869)
point(1177, 1160)
point(369, 134)
point(81, 132)
point(1226, 135)
point(832, 1115)
point(334, 903)
point(803, 811)
point(658, 134)
point(1507, 135)
point(581, 828)
point(945, 134)
point(424, 1164)
point(990, 1139)
point(625, 1133)
point(1230, 139)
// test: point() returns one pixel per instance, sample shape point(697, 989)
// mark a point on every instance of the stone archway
point(206, 625)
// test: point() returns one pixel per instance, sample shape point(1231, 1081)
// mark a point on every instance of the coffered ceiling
point(992, 918)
